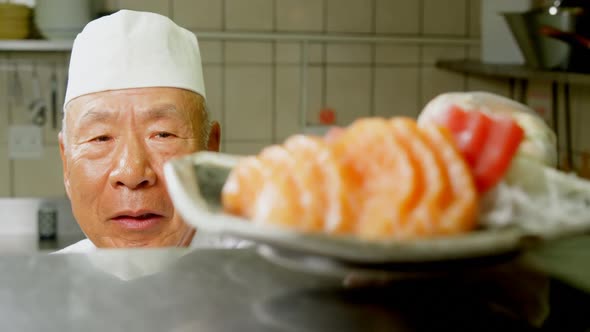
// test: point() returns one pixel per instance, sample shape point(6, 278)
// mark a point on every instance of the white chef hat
point(131, 49)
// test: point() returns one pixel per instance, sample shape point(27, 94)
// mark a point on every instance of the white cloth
point(131, 49)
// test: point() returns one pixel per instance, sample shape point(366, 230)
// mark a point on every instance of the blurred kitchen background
point(274, 68)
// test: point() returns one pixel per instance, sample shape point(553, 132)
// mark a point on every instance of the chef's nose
point(132, 169)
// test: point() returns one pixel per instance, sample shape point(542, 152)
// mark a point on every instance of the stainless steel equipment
point(218, 290)
point(553, 38)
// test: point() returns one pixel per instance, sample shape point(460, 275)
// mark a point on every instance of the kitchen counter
point(238, 290)
point(22, 243)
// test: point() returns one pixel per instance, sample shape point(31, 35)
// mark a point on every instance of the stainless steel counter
point(237, 290)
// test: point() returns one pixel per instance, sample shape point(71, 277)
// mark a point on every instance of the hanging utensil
point(53, 84)
point(37, 106)
point(16, 88)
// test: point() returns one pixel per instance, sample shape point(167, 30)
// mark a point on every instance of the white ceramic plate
point(195, 183)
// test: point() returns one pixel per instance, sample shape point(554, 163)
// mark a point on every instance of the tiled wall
point(36, 177)
point(254, 87)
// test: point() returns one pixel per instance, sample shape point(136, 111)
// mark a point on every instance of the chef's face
point(113, 151)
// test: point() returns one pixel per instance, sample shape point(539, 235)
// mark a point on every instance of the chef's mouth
point(138, 221)
point(140, 217)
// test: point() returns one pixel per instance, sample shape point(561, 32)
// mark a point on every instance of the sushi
point(376, 179)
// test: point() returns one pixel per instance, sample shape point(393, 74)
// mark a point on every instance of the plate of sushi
point(472, 178)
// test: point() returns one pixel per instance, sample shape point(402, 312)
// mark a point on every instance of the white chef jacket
point(211, 241)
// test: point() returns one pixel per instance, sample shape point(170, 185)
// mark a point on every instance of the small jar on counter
point(47, 222)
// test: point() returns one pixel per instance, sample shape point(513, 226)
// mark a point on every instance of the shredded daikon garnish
point(535, 197)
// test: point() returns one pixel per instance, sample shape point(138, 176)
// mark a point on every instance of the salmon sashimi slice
point(241, 188)
point(278, 194)
point(423, 219)
point(377, 179)
point(319, 177)
point(298, 184)
point(461, 205)
point(379, 174)
point(333, 134)
point(262, 188)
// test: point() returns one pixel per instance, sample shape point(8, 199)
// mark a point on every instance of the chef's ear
point(214, 137)
point(64, 162)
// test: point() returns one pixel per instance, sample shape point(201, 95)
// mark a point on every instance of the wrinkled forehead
point(156, 102)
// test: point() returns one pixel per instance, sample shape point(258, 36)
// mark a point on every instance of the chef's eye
point(101, 139)
point(164, 135)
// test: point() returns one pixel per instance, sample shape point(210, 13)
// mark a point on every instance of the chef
point(135, 99)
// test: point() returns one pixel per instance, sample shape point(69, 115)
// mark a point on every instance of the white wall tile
point(431, 54)
point(396, 91)
point(300, 15)
point(316, 93)
point(5, 100)
point(4, 171)
point(288, 99)
point(398, 16)
point(350, 16)
point(397, 54)
point(39, 178)
point(248, 52)
point(198, 14)
point(474, 17)
point(211, 52)
point(435, 81)
point(349, 53)
point(290, 53)
point(246, 148)
point(251, 15)
point(248, 103)
point(349, 92)
point(154, 6)
point(287, 107)
point(493, 85)
point(214, 86)
point(474, 53)
point(445, 17)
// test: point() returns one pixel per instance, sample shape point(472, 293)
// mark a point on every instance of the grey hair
point(206, 124)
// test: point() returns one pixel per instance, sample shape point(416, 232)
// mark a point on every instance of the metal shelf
point(513, 71)
point(32, 45)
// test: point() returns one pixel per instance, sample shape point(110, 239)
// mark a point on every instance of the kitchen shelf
point(31, 45)
point(513, 71)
